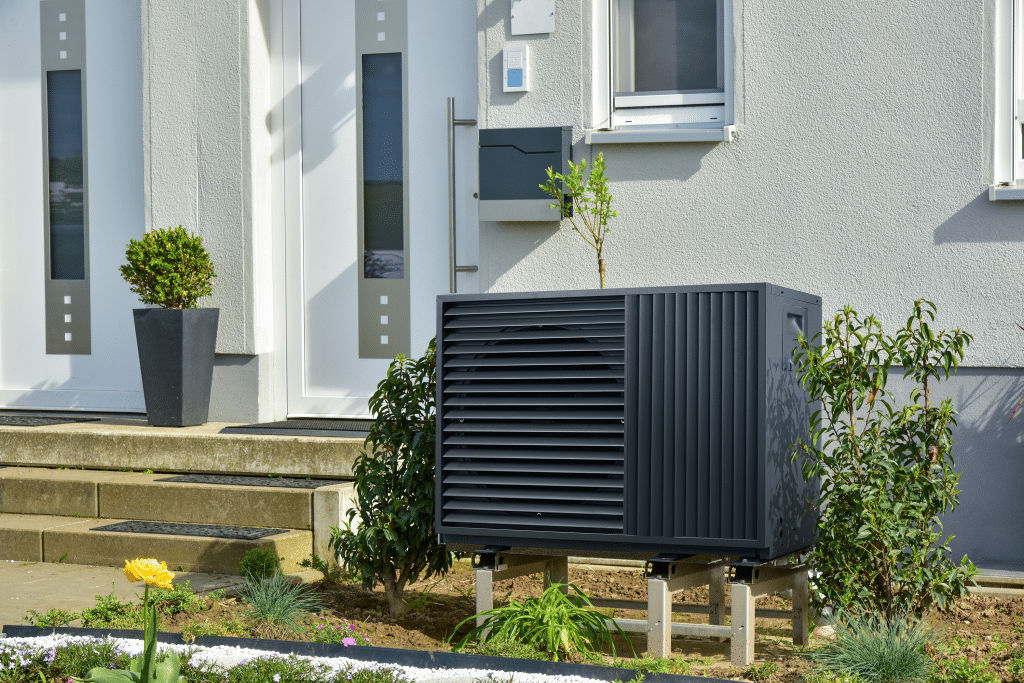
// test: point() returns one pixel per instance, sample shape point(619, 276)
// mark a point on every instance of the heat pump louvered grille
point(532, 429)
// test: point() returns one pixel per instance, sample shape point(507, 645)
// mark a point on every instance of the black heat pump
point(624, 420)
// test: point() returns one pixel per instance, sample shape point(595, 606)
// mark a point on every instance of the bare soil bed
point(979, 629)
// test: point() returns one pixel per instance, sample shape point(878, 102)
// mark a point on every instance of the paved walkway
point(43, 586)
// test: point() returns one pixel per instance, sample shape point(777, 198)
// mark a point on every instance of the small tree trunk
point(393, 593)
point(600, 270)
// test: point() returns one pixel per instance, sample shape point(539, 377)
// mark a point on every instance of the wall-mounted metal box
point(655, 420)
point(513, 166)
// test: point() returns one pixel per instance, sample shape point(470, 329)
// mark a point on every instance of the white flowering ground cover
point(20, 652)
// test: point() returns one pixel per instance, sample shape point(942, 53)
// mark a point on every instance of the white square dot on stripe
point(383, 320)
point(384, 300)
point(67, 317)
point(67, 301)
point(63, 54)
point(63, 35)
point(67, 336)
point(380, 16)
point(62, 17)
point(383, 339)
point(380, 36)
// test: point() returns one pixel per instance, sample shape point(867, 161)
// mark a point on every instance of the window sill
point(626, 136)
point(1005, 192)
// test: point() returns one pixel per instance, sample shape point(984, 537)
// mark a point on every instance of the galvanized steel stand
point(667, 575)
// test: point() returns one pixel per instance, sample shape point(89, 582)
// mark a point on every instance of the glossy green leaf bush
point(395, 543)
point(169, 268)
point(886, 465)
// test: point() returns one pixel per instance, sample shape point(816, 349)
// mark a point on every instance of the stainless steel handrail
point(452, 268)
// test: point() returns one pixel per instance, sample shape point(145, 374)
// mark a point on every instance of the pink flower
point(320, 627)
point(348, 641)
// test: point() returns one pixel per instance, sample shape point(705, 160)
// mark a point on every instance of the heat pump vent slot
point(533, 434)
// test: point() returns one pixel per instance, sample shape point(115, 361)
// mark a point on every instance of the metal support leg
point(659, 618)
point(716, 599)
point(557, 571)
point(484, 593)
point(742, 646)
point(801, 610)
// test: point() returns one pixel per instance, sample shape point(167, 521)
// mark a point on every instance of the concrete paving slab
point(43, 491)
point(43, 586)
point(21, 536)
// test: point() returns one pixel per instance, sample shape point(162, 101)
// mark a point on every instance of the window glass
point(383, 171)
point(676, 45)
point(67, 178)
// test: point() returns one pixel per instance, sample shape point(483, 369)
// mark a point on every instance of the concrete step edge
point(49, 538)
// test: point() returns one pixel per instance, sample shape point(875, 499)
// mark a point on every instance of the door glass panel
point(67, 180)
point(383, 204)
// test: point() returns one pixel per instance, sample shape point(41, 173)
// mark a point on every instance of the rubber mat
point(40, 420)
point(241, 533)
point(305, 427)
point(240, 480)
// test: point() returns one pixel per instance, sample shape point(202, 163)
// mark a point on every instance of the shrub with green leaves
point(169, 267)
point(878, 649)
point(395, 543)
point(590, 201)
point(557, 623)
point(259, 563)
point(962, 671)
point(886, 469)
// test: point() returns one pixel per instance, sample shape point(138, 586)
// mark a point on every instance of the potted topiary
point(172, 269)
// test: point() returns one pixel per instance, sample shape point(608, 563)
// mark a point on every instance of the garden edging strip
point(384, 655)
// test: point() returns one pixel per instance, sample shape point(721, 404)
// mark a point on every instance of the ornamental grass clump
point(556, 623)
point(878, 649)
point(169, 268)
point(277, 603)
point(144, 668)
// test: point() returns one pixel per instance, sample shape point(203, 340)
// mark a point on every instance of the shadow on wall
point(981, 220)
point(989, 524)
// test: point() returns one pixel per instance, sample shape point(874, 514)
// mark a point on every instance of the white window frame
point(1008, 131)
point(654, 117)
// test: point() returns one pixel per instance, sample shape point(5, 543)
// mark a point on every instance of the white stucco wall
point(206, 134)
point(859, 172)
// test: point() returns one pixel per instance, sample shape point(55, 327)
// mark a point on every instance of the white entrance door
point(70, 199)
point(367, 183)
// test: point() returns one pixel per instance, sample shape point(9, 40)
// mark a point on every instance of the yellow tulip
point(149, 570)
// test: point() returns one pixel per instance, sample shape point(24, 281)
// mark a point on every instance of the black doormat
point(305, 427)
point(40, 420)
point(240, 480)
point(241, 533)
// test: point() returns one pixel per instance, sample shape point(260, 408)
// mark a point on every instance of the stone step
point(114, 443)
point(104, 495)
point(49, 538)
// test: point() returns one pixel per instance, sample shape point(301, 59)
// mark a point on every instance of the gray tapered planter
point(176, 358)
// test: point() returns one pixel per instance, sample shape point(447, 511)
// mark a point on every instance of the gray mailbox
point(513, 165)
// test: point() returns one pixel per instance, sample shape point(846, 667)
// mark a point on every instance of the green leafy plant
point(656, 665)
point(887, 471)
point(1016, 666)
point(395, 543)
point(761, 673)
point(277, 603)
point(962, 671)
point(169, 267)
point(112, 612)
point(557, 623)
point(878, 649)
point(330, 571)
point(590, 201)
point(259, 563)
point(53, 618)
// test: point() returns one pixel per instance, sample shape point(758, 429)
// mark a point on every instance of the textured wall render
point(207, 146)
point(859, 173)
